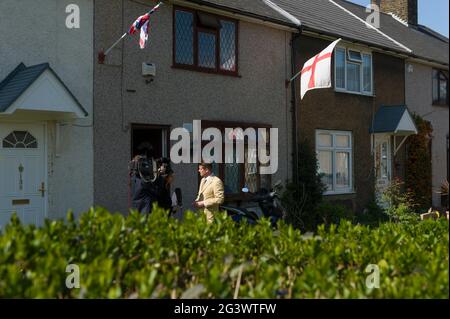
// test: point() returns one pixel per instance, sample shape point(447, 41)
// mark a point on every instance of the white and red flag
point(143, 24)
point(316, 72)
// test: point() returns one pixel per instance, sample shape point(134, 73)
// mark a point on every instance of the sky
point(432, 13)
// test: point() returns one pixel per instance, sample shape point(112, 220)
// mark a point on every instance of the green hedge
point(157, 257)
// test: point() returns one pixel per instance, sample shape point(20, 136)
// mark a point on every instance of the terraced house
point(222, 62)
point(426, 77)
point(359, 126)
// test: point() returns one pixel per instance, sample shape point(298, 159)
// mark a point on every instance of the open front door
point(383, 165)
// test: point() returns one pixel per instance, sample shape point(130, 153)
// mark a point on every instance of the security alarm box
point(148, 69)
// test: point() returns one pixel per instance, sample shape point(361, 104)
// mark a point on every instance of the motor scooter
point(268, 202)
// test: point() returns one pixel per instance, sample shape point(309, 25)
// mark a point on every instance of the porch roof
point(37, 88)
point(395, 120)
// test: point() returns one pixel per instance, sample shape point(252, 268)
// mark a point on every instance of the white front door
point(383, 167)
point(22, 173)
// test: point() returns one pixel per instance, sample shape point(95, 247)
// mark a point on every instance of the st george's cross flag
point(316, 72)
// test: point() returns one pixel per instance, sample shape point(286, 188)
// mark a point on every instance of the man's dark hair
point(207, 166)
point(145, 149)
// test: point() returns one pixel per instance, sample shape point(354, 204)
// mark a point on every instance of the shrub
point(401, 205)
point(444, 194)
point(328, 214)
point(373, 215)
point(303, 196)
point(159, 257)
point(418, 167)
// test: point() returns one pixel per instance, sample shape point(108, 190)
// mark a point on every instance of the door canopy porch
point(37, 92)
point(394, 121)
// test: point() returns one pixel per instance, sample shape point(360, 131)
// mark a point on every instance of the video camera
point(149, 169)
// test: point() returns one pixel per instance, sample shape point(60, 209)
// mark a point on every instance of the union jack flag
point(143, 24)
point(139, 23)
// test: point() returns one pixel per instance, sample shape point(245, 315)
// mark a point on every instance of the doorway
point(151, 137)
point(383, 165)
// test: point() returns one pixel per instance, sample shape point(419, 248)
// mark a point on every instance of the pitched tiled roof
point(341, 18)
point(12, 87)
point(424, 43)
point(253, 8)
point(327, 17)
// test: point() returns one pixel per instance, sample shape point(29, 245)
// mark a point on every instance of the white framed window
point(354, 56)
point(335, 156)
point(353, 71)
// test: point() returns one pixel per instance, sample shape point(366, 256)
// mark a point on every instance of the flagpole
point(288, 82)
point(116, 43)
point(295, 76)
point(102, 55)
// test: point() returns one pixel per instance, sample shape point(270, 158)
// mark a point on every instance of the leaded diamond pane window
point(184, 37)
point(241, 166)
point(207, 50)
point(251, 170)
point(232, 178)
point(228, 46)
point(20, 139)
point(205, 42)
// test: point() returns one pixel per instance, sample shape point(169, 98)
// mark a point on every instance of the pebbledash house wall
point(329, 110)
point(419, 97)
point(257, 95)
point(38, 34)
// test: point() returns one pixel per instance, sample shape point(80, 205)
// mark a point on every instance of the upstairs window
point(205, 42)
point(440, 88)
point(353, 71)
point(354, 56)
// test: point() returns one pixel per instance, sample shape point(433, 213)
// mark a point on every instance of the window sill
point(339, 193)
point(355, 93)
point(205, 70)
point(440, 105)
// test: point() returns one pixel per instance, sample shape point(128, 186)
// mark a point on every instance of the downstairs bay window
point(235, 174)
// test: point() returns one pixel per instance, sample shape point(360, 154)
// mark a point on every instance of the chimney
point(406, 10)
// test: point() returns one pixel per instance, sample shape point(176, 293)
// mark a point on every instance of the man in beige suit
point(211, 192)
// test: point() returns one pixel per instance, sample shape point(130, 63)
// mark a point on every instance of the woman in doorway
point(167, 178)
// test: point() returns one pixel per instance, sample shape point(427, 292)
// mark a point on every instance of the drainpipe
point(295, 122)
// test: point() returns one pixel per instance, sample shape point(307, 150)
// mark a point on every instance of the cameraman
point(144, 180)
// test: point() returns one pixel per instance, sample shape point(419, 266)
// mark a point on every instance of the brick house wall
point(330, 110)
